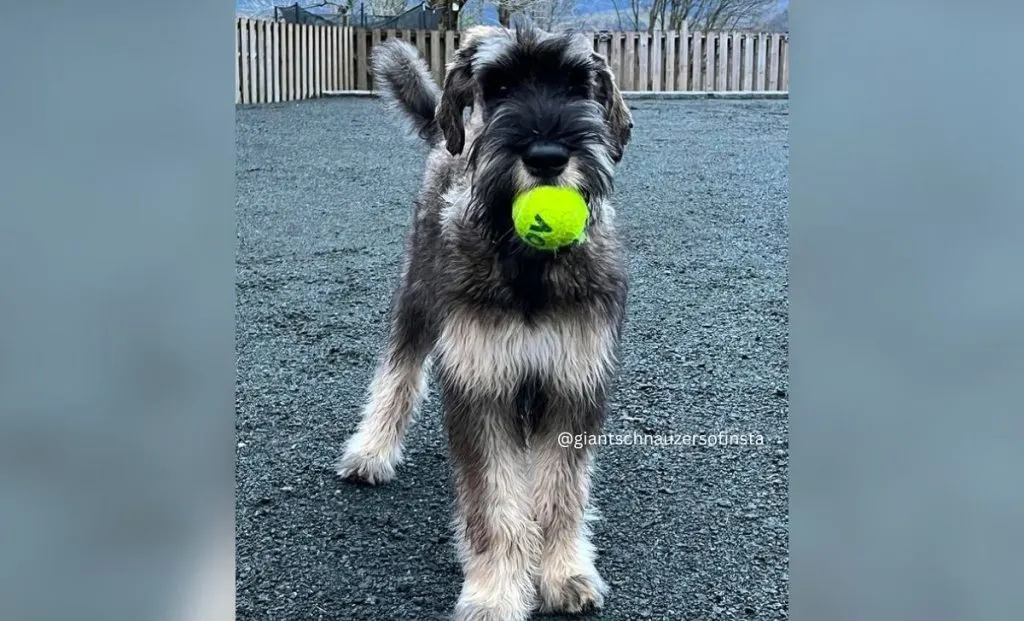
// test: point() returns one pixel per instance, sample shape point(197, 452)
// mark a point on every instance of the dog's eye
point(496, 91)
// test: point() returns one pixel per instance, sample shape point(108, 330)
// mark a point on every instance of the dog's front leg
point(499, 540)
point(397, 389)
point(568, 580)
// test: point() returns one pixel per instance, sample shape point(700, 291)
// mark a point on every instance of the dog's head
point(548, 110)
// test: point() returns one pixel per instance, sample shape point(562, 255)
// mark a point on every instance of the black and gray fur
point(523, 341)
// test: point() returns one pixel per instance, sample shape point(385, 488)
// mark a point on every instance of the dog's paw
point(573, 595)
point(466, 610)
point(359, 466)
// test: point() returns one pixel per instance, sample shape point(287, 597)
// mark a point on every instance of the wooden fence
point(277, 61)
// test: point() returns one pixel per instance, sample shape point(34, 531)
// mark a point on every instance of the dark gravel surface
point(687, 532)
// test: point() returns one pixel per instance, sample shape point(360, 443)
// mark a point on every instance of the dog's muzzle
point(546, 159)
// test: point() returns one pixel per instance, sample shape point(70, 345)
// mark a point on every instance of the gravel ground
point(687, 532)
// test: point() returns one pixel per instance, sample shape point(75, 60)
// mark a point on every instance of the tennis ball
point(549, 217)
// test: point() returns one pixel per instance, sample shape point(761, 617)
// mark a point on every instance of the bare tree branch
point(702, 14)
point(385, 7)
point(637, 15)
point(550, 14)
point(618, 13)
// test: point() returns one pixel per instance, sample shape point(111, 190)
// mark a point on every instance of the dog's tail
point(404, 81)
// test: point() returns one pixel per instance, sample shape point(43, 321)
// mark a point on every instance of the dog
point(523, 342)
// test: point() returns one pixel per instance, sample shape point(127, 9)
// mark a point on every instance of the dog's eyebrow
point(489, 52)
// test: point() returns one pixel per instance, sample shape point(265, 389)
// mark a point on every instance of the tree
point(731, 14)
point(341, 7)
point(549, 14)
point(651, 15)
point(449, 17)
point(385, 7)
point(505, 11)
point(545, 14)
point(509, 8)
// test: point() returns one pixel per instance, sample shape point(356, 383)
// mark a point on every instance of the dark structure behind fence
point(295, 14)
point(417, 18)
point(420, 17)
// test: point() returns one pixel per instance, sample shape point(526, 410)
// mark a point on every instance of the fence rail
point(278, 61)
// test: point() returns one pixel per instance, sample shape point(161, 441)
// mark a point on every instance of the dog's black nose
point(546, 159)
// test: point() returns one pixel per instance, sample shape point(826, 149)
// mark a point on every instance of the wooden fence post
point(773, 62)
point(321, 54)
point(762, 58)
point(657, 62)
point(263, 49)
point(299, 61)
point(748, 62)
point(290, 59)
point(644, 71)
point(435, 56)
point(697, 60)
point(303, 49)
point(630, 61)
point(275, 63)
point(449, 48)
point(684, 57)
point(330, 55)
point(421, 43)
point(709, 60)
point(241, 79)
point(360, 66)
point(734, 61)
point(309, 52)
point(243, 38)
point(254, 63)
point(616, 59)
point(256, 60)
point(375, 43)
point(670, 60)
point(348, 58)
point(285, 60)
point(784, 61)
point(321, 60)
point(722, 60)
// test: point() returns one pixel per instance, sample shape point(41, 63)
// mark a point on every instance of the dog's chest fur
point(497, 354)
point(507, 317)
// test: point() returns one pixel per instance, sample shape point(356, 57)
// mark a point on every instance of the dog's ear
point(457, 94)
point(616, 112)
point(458, 90)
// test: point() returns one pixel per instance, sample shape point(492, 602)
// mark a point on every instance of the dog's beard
point(498, 173)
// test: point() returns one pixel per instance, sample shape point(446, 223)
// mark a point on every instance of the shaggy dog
point(523, 341)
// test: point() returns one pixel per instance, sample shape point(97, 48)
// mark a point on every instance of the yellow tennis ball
point(549, 217)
